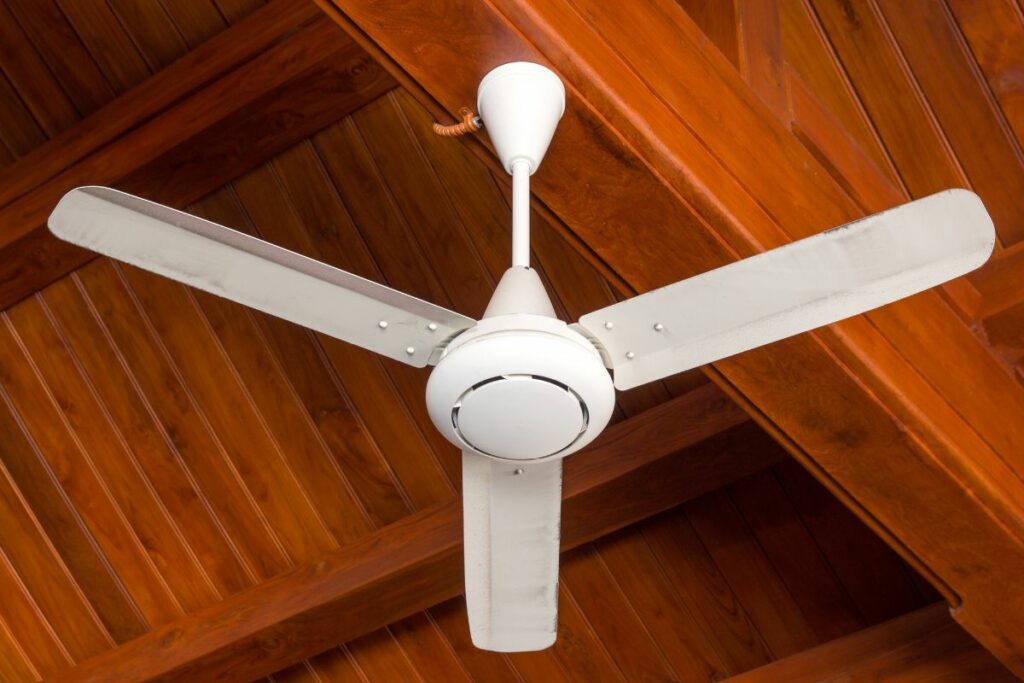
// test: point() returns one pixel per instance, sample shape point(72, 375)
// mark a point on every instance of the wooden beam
point(923, 645)
point(245, 96)
point(1000, 284)
point(212, 60)
point(922, 440)
point(641, 466)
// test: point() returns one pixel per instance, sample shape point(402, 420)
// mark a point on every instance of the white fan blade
point(798, 287)
point(250, 271)
point(511, 544)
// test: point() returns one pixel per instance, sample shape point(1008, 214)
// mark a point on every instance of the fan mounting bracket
point(520, 104)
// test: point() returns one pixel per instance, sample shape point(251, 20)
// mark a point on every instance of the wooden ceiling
point(164, 454)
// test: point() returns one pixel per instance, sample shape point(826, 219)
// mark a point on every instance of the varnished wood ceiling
point(161, 449)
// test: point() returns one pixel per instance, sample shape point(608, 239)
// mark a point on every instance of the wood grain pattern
point(923, 645)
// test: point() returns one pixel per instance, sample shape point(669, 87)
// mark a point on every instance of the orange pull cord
point(470, 124)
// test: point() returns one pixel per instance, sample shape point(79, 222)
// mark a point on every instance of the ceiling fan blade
point(798, 287)
point(511, 536)
point(250, 271)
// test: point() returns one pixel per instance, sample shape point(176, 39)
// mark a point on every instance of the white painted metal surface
point(520, 417)
point(521, 214)
point(795, 288)
point(520, 104)
point(511, 516)
point(523, 345)
point(248, 270)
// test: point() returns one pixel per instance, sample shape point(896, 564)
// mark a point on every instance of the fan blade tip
point(519, 642)
point(61, 217)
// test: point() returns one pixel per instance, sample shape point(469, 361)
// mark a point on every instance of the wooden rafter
point(923, 645)
point(651, 462)
point(248, 94)
point(656, 143)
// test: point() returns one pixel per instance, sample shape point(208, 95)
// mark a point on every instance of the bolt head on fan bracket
point(520, 104)
point(520, 387)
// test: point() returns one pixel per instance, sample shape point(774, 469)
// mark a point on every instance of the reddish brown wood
point(964, 107)
point(761, 59)
point(676, 450)
point(201, 67)
point(999, 284)
point(809, 52)
point(719, 20)
point(923, 645)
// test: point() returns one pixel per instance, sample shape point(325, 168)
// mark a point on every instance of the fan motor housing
point(520, 387)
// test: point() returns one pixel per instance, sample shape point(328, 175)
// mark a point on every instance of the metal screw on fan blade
point(609, 326)
point(383, 324)
point(658, 327)
point(630, 355)
point(410, 350)
point(518, 471)
point(432, 327)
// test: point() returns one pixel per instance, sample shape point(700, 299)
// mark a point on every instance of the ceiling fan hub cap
point(520, 387)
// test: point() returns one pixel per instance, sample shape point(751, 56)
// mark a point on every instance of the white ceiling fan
point(519, 390)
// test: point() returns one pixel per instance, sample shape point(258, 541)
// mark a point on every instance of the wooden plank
point(999, 284)
point(72, 467)
point(625, 638)
point(793, 552)
point(65, 55)
point(761, 58)
point(809, 52)
point(873, 576)
point(751, 576)
point(66, 531)
point(712, 603)
point(197, 20)
point(838, 152)
point(995, 33)
point(201, 68)
point(906, 125)
point(206, 369)
point(105, 449)
point(415, 562)
point(690, 650)
point(964, 107)
point(1004, 331)
point(152, 30)
point(58, 601)
point(108, 43)
point(656, 141)
point(14, 665)
point(18, 128)
point(719, 20)
point(923, 645)
point(30, 77)
point(131, 419)
point(39, 646)
point(177, 413)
